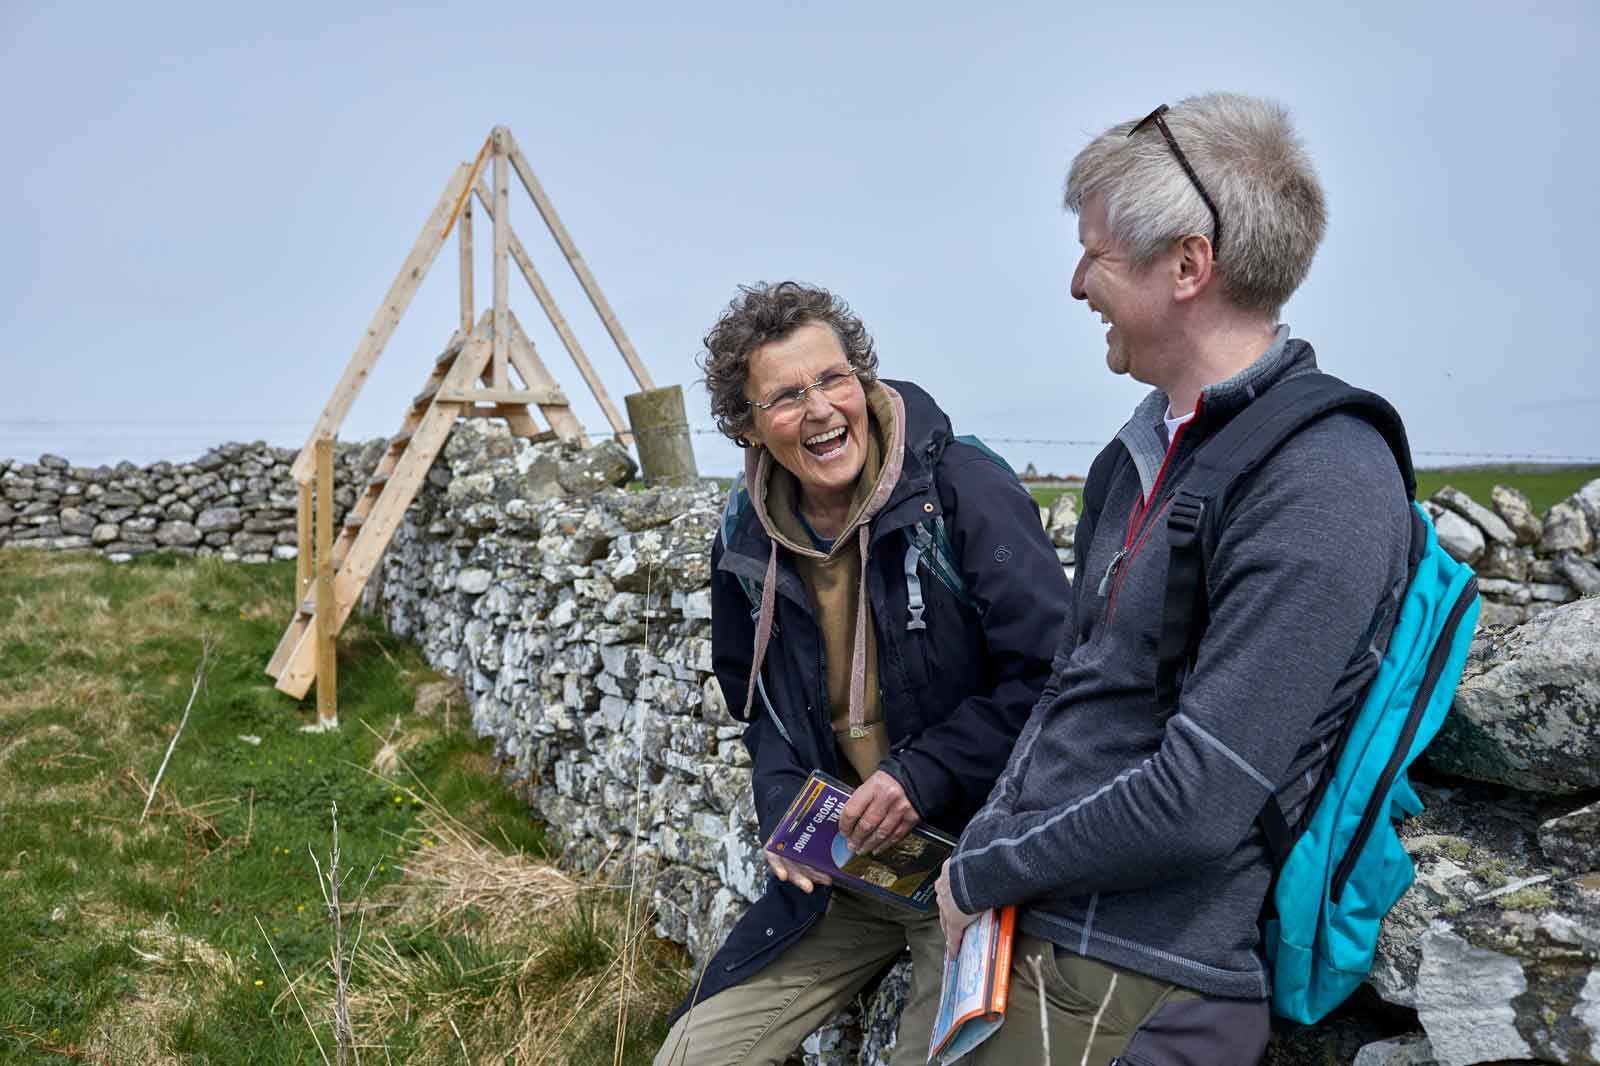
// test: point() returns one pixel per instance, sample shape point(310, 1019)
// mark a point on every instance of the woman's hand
point(952, 919)
point(799, 876)
point(877, 814)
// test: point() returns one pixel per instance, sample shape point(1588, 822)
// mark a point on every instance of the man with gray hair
point(1128, 838)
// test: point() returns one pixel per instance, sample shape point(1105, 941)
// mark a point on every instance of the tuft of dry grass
point(530, 955)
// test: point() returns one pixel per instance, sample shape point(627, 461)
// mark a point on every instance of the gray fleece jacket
point(1134, 843)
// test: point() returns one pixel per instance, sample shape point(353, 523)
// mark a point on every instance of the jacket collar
point(1144, 433)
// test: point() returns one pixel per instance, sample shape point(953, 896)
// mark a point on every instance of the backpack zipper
point(1379, 800)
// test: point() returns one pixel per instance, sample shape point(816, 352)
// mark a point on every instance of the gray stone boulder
point(1566, 528)
point(1515, 977)
point(1061, 522)
point(1401, 1051)
point(1492, 524)
point(77, 523)
point(1572, 840)
point(177, 534)
point(1580, 573)
point(606, 465)
point(1459, 537)
point(1525, 713)
point(1468, 841)
point(1589, 498)
point(219, 520)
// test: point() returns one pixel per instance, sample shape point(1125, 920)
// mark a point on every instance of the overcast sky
point(206, 202)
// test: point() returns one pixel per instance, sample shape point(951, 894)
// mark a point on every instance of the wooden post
point(502, 276)
point(591, 287)
point(302, 558)
point(661, 432)
point(468, 301)
point(327, 609)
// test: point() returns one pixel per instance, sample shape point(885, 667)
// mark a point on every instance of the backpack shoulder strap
point(1195, 519)
point(733, 513)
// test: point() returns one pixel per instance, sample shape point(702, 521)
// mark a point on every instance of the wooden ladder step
point(425, 397)
point(399, 441)
point(307, 608)
point(377, 483)
point(353, 520)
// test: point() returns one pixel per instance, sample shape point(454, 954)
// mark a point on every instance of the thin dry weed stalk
point(207, 645)
point(342, 961)
point(289, 982)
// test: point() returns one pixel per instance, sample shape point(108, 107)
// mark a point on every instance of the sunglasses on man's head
point(1155, 119)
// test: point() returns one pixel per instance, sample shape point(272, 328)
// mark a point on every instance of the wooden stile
point(471, 378)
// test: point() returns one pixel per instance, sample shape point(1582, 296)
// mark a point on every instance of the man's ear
point(1196, 269)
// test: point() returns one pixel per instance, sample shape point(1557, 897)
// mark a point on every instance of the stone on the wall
point(1506, 562)
point(606, 465)
point(169, 534)
point(1572, 840)
point(219, 520)
point(76, 523)
point(1400, 1051)
point(1061, 522)
point(473, 581)
point(1459, 537)
point(1526, 709)
point(1514, 980)
point(1516, 509)
point(1589, 498)
point(1492, 525)
point(1566, 528)
point(1580, 573)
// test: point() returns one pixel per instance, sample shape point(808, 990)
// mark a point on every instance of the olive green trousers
point(759, 1022)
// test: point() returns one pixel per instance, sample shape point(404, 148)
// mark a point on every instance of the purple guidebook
point(904, 872)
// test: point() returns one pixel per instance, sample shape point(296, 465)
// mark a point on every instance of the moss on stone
point(1532, 898)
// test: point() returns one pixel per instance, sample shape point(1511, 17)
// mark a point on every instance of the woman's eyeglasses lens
point(835, 385)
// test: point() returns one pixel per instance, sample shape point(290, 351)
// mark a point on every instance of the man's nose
point(1077, 279)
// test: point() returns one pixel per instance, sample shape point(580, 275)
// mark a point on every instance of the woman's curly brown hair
point(763, 313)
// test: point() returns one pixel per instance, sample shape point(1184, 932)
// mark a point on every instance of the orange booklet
point(972, 1001)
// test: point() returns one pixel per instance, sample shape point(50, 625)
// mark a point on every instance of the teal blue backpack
point(930, 545)
point(1342, 867)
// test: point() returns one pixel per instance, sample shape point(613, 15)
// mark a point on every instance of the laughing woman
point(837, 643)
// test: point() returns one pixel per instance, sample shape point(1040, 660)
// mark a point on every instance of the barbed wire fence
point(21, 438)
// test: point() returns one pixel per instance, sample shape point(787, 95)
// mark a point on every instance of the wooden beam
point(468, 301)
point(526, 359)
point(381, 328)
point(517, 396)
point(302, 558)
point(502, 270)
point(541, 293)
point(590, 287)
point(327, 632)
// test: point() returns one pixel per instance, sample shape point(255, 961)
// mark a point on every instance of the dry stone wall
point(236, 501)
point(577, 616)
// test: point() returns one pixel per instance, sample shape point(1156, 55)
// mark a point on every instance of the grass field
point(1545, 485)
point(153, 941)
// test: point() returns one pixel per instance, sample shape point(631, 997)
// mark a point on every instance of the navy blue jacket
point(954, 695)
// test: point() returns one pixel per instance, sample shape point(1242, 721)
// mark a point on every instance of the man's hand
point(952, 919)
point(877, 814)
point(799, 876)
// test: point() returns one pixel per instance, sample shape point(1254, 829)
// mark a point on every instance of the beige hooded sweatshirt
point(836, 580)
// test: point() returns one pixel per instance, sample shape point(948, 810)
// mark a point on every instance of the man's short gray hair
point(1251, 163)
